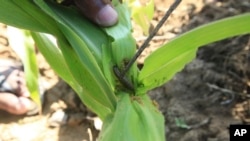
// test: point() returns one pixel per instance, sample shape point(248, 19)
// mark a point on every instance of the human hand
point(99, 11)
point(14, 95)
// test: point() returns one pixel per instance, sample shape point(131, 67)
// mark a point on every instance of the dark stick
point(125, 82)
point(152, 34)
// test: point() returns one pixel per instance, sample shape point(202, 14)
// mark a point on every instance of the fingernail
point(107, 16)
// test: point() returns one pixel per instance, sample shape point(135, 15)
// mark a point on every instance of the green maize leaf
point(52, 54)
point(89, 83)
point(31, 69)
point(107, 66)
point(166, 61)
point(91, 34)
point(142, 13)
point(91, 79)
point(22, 43)
point(135, 119)
point(86, 70)
point(56, 60)
point(150, 118)
point(25, 14)
point(123, 45)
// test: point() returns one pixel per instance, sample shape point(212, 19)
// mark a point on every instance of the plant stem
point(150, 37)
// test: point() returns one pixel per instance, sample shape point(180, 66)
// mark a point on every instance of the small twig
point(202, 123)
point(156, 38)
point(220, 89)
point(236, 76)
point(125, 82)
point(152, 34)
point(90, 134)
point(223, 90)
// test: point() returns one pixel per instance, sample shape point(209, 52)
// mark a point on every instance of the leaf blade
point(26, 15)
point(56, 60)
point(92, 35)
point(74, 48)
point(189, 41)
point(24, 47)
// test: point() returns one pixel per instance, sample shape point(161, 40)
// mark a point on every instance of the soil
point(199, 103)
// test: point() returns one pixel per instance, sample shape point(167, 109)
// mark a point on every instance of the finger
point(17, 81)
point(13, 104)
point(22, 89)
point(98, 11)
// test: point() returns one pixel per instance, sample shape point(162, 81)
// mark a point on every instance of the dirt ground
point(199, 103)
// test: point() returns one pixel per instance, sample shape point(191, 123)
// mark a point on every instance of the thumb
point(98, 11)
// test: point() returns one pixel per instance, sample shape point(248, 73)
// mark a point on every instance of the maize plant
point(92, 60)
